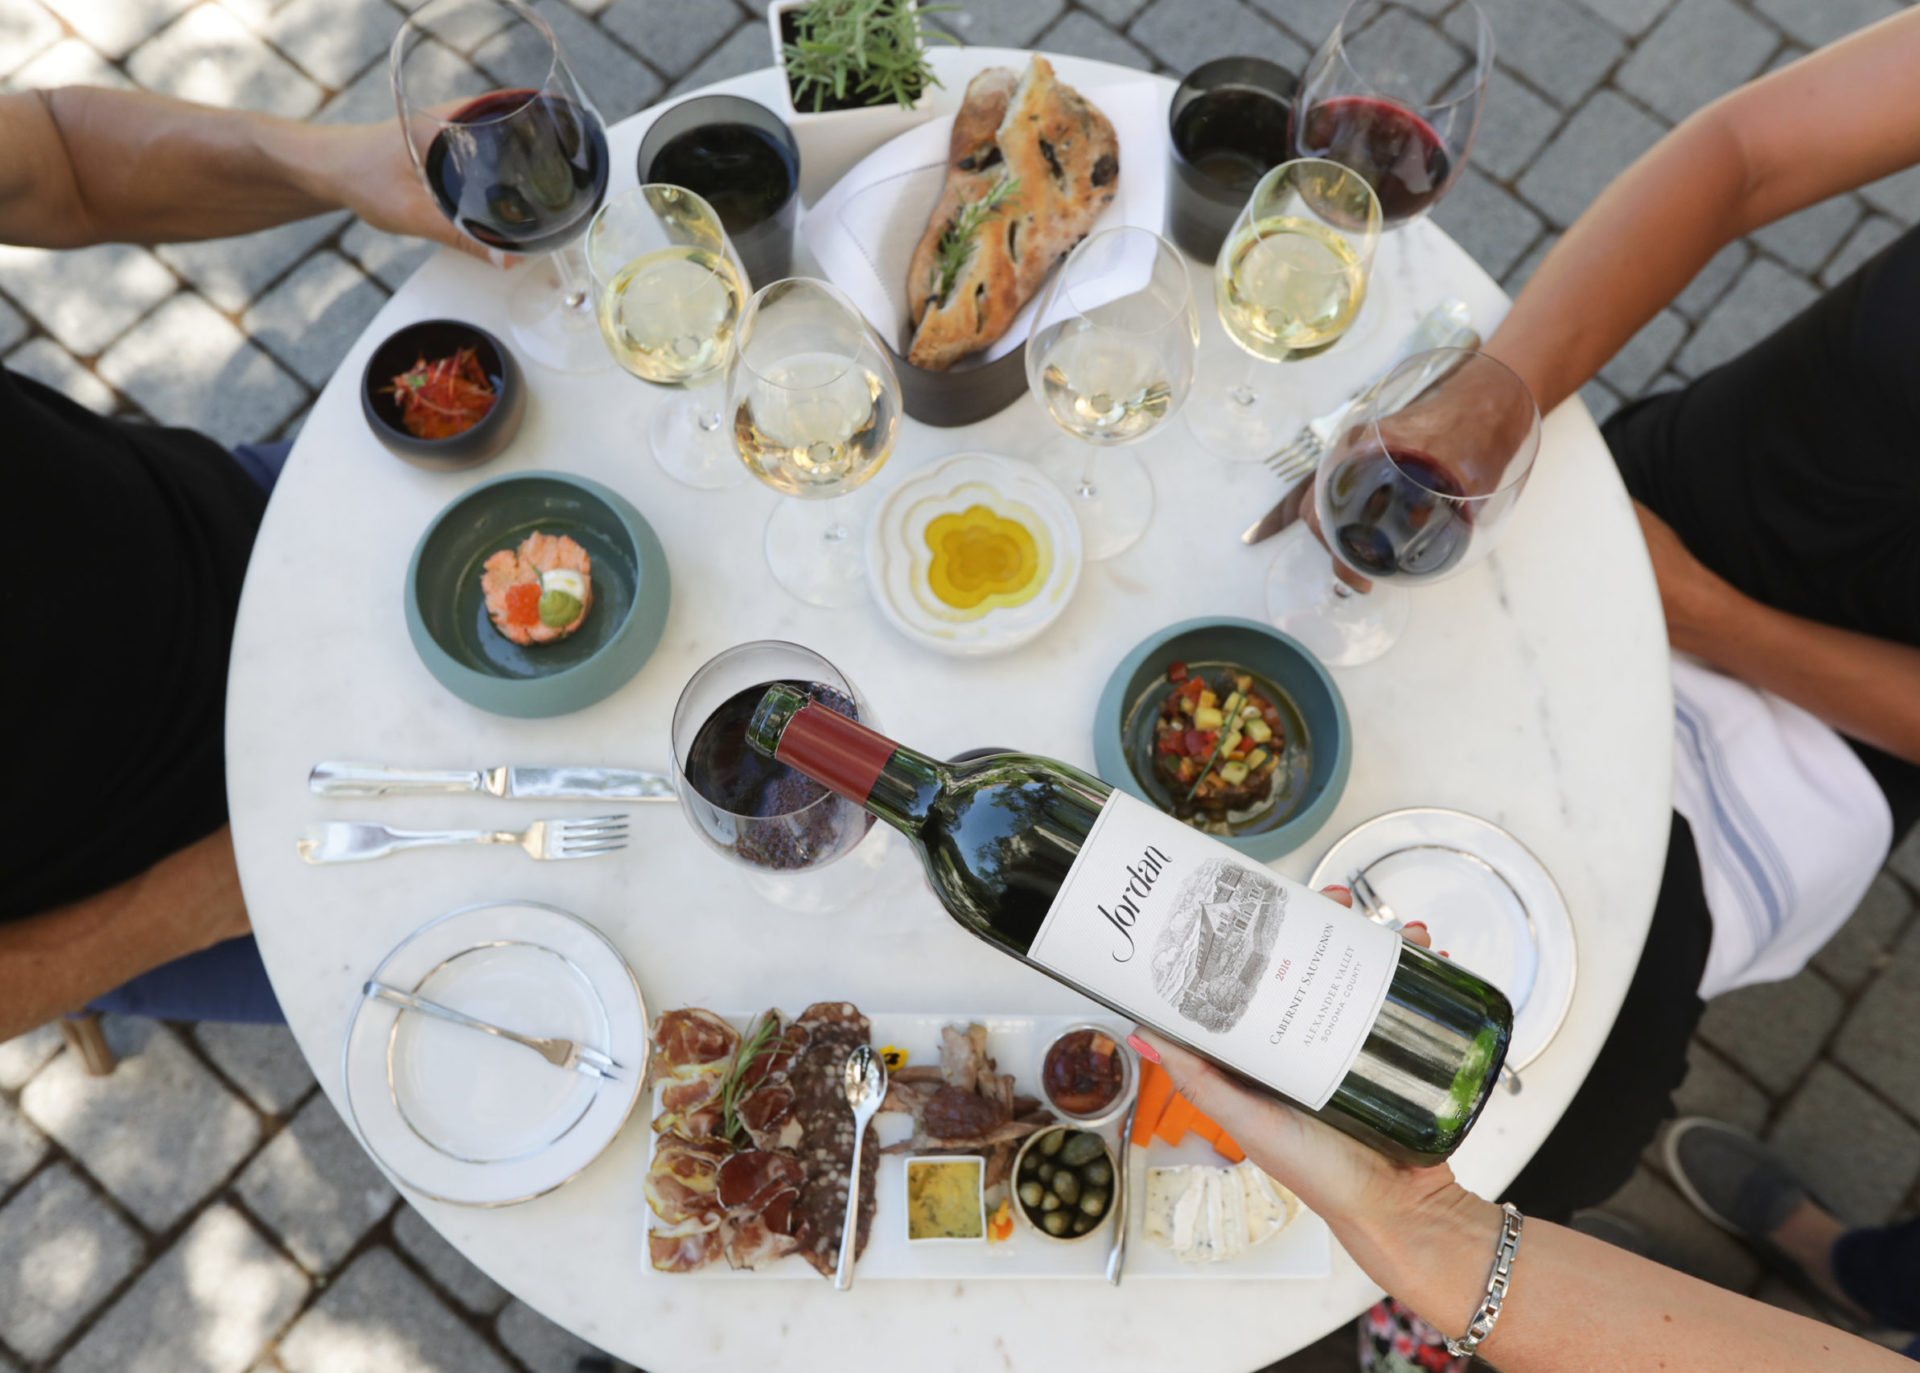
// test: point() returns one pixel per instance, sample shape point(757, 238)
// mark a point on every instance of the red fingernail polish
point(1415, 925)
point(1144, 1049)
point(1342, 890)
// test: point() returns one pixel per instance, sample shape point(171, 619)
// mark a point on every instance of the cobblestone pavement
point(204, 1208)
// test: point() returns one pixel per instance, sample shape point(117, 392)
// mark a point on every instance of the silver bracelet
point(1483, 1320)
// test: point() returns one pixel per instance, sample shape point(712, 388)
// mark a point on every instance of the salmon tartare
point(540, 592)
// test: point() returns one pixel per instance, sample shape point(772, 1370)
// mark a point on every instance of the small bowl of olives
point(1063, 1183)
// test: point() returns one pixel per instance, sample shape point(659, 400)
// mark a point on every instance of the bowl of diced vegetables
point(1063, 1183)
point(1231, 726)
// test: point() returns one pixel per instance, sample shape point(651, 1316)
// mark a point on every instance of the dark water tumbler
point(743, 161)
point(1226, 128)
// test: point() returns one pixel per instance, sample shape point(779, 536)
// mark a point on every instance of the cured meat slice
point(682, 1185)
point(763, 1238)
point(700, 1124)
point(768, 1116)
point(680, 1095)
point(774, 1059)
point(951, 1113)
point(749, 1181)
point(681, 1249)
point(692, 1038)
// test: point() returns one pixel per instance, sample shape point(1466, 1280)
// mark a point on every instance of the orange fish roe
point(523, 604)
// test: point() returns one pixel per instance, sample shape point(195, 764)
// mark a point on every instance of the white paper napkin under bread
point(863, 231)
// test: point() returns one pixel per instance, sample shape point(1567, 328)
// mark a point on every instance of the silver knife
point(373, 779)
point(1287, 509)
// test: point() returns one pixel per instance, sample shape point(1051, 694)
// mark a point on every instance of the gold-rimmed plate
point(464, 1117)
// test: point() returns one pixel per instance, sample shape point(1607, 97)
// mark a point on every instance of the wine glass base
point(1338, 625)
point(817, 553)
point(692, 455)
point(1110, 490)
point(547, 330)
point(1248, 427)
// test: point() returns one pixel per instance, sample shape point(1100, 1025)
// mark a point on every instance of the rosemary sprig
point(749, 1050)
point(956, 244)
point(867, 51)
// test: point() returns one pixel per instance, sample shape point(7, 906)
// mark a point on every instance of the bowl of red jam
point(1088, 1074)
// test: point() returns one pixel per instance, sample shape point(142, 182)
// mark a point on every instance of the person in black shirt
point(1779, 495)
point(134, 542)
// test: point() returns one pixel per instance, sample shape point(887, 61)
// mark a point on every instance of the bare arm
point(80, 165)
point(1840, 118)
point(1865, 687)
point(1575, 1302)
point(57, 961)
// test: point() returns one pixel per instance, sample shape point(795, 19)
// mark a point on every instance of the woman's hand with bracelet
point(1391, 1219)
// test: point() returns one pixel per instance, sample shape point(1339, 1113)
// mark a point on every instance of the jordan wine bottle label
point(1260, 972)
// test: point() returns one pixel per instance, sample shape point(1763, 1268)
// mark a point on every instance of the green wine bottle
point(1280, 986)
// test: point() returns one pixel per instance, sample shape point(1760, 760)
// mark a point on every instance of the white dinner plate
point(1017, 1044)
point(900, 558)
point(1485, 899)
point(462, 1116)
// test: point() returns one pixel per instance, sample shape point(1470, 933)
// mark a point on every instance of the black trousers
point(1793, 471)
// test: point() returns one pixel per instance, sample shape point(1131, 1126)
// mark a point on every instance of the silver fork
point(352, 841)
point(1447, 325)
point(562, 1053)
point(1376, 910)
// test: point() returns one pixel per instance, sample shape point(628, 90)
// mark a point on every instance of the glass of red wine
point(777, 824)
point(1417, 489)
point(1396, 99)
point(513, 152)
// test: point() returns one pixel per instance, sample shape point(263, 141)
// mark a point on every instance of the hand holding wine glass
point(670, 289)
point(516, 157)
point(1417, 489)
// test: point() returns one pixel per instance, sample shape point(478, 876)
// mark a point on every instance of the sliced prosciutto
point(749, 1181)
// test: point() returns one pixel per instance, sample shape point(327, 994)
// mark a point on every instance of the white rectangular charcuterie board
point(1302, 1250)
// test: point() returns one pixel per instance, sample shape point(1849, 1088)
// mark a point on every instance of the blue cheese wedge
point(1213, 1215)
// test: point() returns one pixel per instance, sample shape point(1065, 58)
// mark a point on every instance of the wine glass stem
point(708, 420)
point(1086, 490)
point(836, 533)
point(1242, 393)
point(575, 289)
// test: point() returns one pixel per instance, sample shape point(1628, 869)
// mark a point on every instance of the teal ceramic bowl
point(447, 615)
point(1319, 750)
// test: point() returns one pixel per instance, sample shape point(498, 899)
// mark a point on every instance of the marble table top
point(1531, 689)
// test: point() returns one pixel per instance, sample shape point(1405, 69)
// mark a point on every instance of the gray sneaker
point(1733, 1179)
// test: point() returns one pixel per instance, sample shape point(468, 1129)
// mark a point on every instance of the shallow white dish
point(899, 557)
point(1303, 1250)
point(464, 1117)
point(1485, 899)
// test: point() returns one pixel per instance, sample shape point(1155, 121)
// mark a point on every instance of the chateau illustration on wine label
point(1260, 972)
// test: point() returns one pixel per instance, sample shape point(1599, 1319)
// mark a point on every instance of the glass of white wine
point(668, 288)
point(814, 407)
point(1110, 358)
point(1288, 284)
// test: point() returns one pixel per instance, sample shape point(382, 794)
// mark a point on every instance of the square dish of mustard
point(946, 1199)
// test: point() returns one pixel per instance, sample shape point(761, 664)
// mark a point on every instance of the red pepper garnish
point(1177, 672)
point(1175, 744)
point(442, 398)
point(1200, 742)
point(1193, 687)
point(523, 604)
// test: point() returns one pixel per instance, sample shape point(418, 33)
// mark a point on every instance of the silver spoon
point(866, 1083)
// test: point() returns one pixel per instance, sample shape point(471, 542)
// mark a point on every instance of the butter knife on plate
point(375, 779)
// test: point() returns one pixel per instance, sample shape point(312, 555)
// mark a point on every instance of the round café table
point(1531, 690)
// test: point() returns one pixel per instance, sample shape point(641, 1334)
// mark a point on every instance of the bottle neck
point(897, 784)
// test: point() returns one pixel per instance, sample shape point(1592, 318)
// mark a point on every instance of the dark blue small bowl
point(1123, 733)
point(439, 338)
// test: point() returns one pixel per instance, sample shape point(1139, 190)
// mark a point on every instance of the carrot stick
point(1205, 1128)
point(1156, 1089)
point(1176, 1119)
point(1231, 1151)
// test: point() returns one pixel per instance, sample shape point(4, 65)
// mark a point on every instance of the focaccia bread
point(1066, 159)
